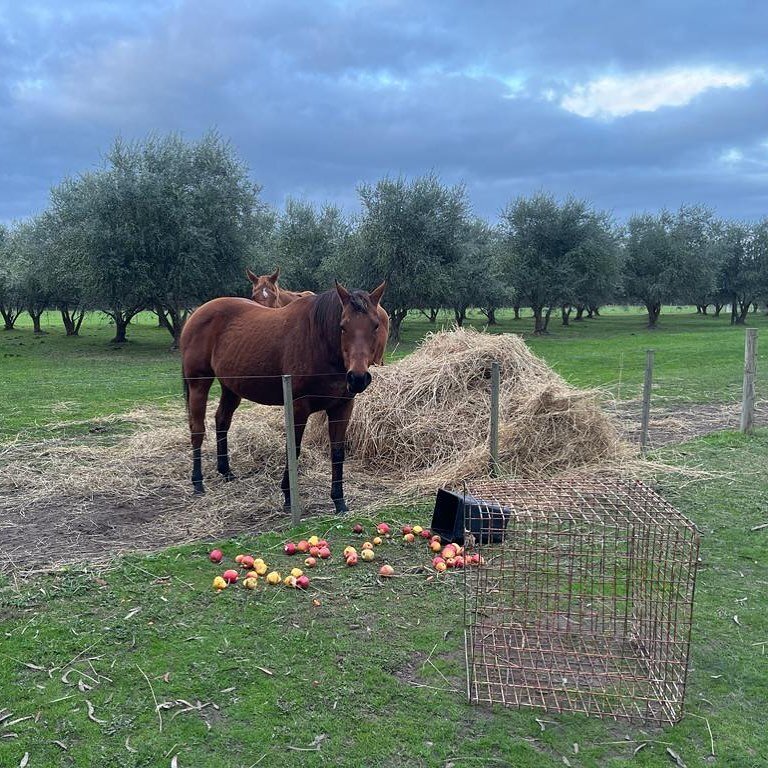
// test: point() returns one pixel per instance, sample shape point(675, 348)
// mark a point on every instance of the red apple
point(322, 543)
point(289, 548)
point(239, 559)
point(458, 561)
point(357, 528)
point(406, 529)
point(302, 582)
point(310, 562)
point(324, 553)
point(383, 529)
point(351, 560)
point(437, 559)
point(314, 551)
point(230, 576)
point(303, 546)
point(386, 571)
point(246, 562)
point(435, 546)
point(216, 556)
point(409, 537)
point(426, 533)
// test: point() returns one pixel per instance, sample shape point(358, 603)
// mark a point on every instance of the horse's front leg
point(300, 416)
point(338, 419)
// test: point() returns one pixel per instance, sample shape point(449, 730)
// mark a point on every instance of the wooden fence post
point(290, 449)
point(646, 415)
point(494, 436)
point(750, 368)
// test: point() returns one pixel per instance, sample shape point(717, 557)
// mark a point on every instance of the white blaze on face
point(264, 293)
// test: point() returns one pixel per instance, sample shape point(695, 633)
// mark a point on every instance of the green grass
point(52, 379)
point(284, 673)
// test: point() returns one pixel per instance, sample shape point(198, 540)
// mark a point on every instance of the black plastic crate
point(486, 521)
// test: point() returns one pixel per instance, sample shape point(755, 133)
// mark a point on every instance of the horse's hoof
point(341, 508)
point(228, 476)
point(199, 490)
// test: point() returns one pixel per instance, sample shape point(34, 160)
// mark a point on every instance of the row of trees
point(167, 224)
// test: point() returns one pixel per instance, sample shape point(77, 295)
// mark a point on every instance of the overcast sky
point(633, 105)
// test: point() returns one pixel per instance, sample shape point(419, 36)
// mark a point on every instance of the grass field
point(370, 676)
point(52, 379)
point(373, 674)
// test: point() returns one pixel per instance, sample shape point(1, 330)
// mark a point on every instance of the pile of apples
point(255, 569)
point(315, 549)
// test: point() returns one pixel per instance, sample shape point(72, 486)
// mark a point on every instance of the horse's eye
point(376, 327)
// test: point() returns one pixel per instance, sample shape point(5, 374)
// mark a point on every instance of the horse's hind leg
point(197, 399)
point(227, 406)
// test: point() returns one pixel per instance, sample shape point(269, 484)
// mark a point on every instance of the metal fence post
point(290, 448)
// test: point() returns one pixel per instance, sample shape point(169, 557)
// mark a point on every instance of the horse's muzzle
point(358, 382)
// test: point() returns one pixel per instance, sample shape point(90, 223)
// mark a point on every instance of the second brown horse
point(326, 342)
point(266, 291)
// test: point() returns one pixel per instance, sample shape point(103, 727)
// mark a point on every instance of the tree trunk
point(698, 309)
point(10, 315)
point(490, 313)
point(538, 321)
point(72, 319)
point(579, 312)
point(120, 327)
point(460, 314)
point(704, 309)
point(565, 312)
point(740, 312)
point(516, 310)
point(433, 313)
point(718, 309)
point(35, 314)
point(654, 310)
point(396, 317)
point(594, 311)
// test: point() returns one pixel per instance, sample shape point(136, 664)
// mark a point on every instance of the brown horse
point(268, 293)
point(326, 342)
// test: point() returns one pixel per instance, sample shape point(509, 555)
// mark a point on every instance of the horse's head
point(359, 327)
point(264, 290)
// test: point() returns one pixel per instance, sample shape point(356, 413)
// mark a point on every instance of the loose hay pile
point(426, 418)
point(422, 423)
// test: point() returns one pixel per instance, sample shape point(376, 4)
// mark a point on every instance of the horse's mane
point(326, 314)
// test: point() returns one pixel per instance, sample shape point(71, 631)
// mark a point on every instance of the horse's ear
point(273, 277)
point(253, 278)
point(343, 293)
point(377, 293)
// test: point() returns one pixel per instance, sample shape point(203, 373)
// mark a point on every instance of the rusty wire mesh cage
point(584, 601)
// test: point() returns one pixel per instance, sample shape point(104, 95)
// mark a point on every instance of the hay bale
point(426, 418)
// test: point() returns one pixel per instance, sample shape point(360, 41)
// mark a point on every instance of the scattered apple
point(303, 546)
point(246, 562)
point(367, 545)
point(313, 541)
point(425, 534)
point(296, 572)
point(302, 582)
point(290, 548)
point(357, 528)
point(250, 583)
point(260, 567)
point(251, 575)
point(230, 576)
point(239, 559)
point(310, 562)
point(383, 529)
point(216, 556)
point(351, 560)
point(289, 581)
point(377, 541)
point(368, 555)
point(314, 551)
point(435, 546)
point(406, 529)
point(324, 553)
point(449, 551)
point(386, 571)
point(437, 559)
point(349, 551)
point(322, 543)
point(440, 567)
point(273, 577)
point(418, 530)
point(219, 583)
point(436, 537)
point(409, 538)
point(450, 561)
point(458, 561)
